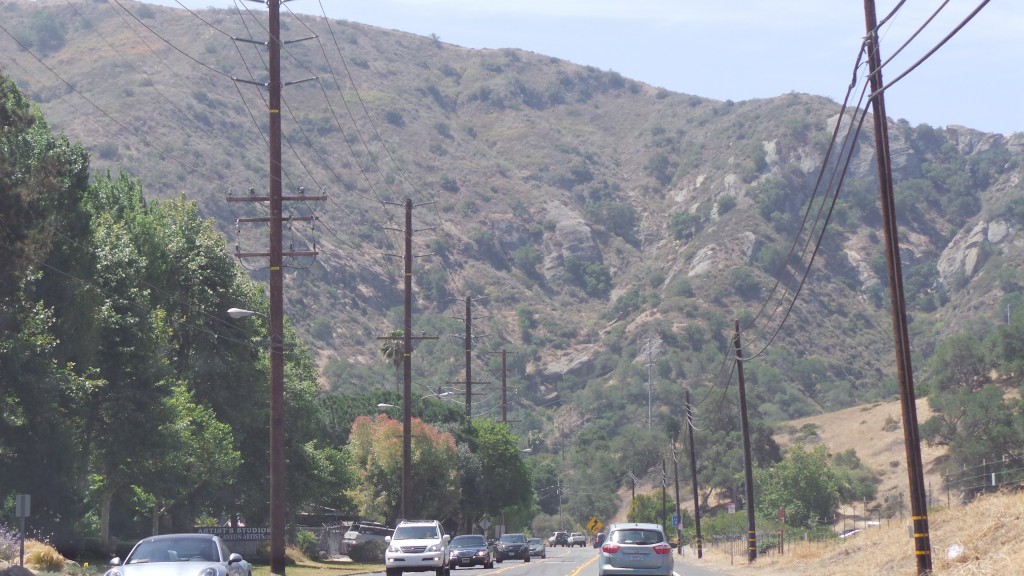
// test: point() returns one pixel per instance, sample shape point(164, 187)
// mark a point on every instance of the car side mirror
point(234, 557)
point(115, 561)
point(446, 538)
point(387, 539)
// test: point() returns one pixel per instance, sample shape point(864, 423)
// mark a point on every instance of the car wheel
point(391, 572)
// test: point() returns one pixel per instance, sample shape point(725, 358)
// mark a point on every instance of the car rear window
point(636, 536)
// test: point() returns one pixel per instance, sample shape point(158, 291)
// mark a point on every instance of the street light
point(386, 406)
point(237, 313)
point(277, 508)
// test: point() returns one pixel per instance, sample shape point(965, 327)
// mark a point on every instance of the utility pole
point(407, 339)
point(276, 284)
point(693, 477)
point(679, 513)
point(407, 365)
point(468, 347)
point(912, 440)
point(748, 465)
point(469, 357)
point(504, 396)
point(664, 493)
point(650, 383)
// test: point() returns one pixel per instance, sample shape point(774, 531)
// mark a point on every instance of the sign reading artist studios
point(244, 540)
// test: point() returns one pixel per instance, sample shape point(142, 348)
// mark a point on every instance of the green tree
point(391, 348)
point(506, 478)
point(803, 484)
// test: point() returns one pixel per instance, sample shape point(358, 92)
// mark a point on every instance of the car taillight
point(662, 549)
point(610, 548)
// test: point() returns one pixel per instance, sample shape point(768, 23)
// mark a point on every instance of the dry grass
point(990, 531)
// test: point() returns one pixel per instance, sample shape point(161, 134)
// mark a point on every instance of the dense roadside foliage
point(130, 403)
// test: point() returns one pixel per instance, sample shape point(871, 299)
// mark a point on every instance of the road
point(564, 562)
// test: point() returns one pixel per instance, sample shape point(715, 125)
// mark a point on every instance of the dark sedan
point(470, 550)
point(513, 547)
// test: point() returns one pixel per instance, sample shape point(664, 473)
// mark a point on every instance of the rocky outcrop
point(572, 238)
point(965, 253)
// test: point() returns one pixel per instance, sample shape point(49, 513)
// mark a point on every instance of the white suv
point(417, 546)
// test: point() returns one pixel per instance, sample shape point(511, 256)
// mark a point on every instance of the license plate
point(467, 561)
point(636, 556)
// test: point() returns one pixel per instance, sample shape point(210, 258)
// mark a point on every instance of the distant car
point(559, 539)
point(634, 549)
point(599, 539)
point(513, 547)
point(180, 555)
point(537, 547)
point(471, 550)
point(577, 539)
point(849, 532)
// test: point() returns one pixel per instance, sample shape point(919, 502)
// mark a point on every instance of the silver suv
point(417, 546)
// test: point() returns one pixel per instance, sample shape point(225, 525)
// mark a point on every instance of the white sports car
point(180, 555)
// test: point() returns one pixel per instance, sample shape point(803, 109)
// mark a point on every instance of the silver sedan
point(635, 548)
point(180, 555)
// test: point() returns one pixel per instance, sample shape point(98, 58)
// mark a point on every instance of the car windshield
point(468, 540)
point(536, 541)
point(512, 538)
point(636, 536)
point(416, 533)
point(175, 550)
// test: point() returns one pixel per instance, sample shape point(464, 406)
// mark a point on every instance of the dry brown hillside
point(875, 432)
point(987, 534)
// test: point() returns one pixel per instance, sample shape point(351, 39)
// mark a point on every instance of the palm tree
point(392, 349)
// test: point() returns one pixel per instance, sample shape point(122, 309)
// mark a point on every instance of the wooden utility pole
point(276, 284)
point(679, 513)
point(901, 338)
point(748, 464)
point(407, 366)
point(693, 478)
point(504, 396)
point(469, 357)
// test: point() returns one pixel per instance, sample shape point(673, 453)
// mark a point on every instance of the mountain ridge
point(584, 211)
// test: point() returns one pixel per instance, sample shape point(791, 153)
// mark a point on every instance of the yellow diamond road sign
point(594, 525)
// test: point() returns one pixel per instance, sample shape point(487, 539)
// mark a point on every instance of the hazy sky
point(739, 49)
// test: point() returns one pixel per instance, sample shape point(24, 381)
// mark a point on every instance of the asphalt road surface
point(566, 562)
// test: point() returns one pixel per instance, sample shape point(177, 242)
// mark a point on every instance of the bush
point(368, 552)
point(309, 544)
point(9, 544)
point(45, 558)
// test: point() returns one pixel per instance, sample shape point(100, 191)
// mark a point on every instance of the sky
point(739, 49)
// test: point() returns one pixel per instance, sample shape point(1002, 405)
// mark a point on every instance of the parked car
point(599, 539)
point(577, 539)
point(513, 547)
point(559, 539)
point(180, 555)
point(417, 546)
point(361, 532)
point(537, 547)
point(635, 548)
point(471, 550)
